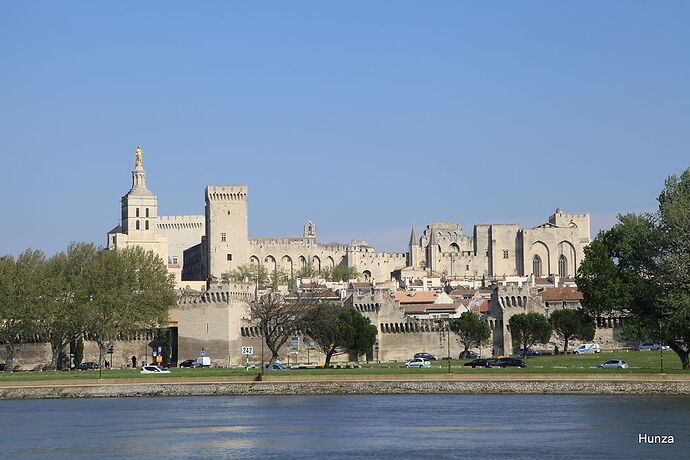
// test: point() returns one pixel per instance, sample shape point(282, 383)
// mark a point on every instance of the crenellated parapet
point(226, 193)
point(221, 292)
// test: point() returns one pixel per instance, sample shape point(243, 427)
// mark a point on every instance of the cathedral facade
point(201, 247)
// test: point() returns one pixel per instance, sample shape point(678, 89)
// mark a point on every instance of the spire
point(413, 236)
point(139, 175)
point(432, 237)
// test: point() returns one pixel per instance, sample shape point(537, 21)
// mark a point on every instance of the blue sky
point(363, 116)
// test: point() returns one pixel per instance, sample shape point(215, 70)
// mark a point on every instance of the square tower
point(227, 238)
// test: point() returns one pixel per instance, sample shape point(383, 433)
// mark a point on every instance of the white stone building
point(201, 247)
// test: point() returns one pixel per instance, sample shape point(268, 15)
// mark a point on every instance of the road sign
point(160, 349)
point(247, 350)
point(155, 353)
point(202, 352)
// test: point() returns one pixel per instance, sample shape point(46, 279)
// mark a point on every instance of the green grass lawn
point(644, 362)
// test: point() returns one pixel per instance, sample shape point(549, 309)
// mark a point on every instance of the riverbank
point(364, 385)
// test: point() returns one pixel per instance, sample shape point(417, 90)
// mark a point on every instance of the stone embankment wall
point(426, 387)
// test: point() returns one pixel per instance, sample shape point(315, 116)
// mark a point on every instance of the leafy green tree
point(572, 324)
point(125, 291)
point(338, 329)
point(363, 332)
point(530, 328)
point(21, 297)
point(307, 271)
point(471, 329)
point(340, 273)
point(62, 314)
point(640, 268)
point(251, 273)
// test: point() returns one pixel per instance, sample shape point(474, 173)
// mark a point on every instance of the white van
point(587, 348)
point(203, 361)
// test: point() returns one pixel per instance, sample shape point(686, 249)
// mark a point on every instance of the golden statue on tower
point(138, 152)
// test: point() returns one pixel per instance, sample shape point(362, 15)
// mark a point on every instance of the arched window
point(563, 266)
point(137, 212)
point(137, 225)
point(146, 224)
point(147, 212)
point(536, 266)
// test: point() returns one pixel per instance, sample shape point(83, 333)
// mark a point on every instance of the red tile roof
point(482, 308)
point(406, 297)
point(562, 293)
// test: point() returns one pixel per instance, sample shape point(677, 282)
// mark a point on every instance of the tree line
point(262, 276)
point(85, 291)
point(527, 329)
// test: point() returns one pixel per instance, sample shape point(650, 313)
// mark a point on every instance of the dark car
point(480, 363)
point(427, 356)
point(527, 352)
point(277, 366)
point(508, 362)
point(468, 355)
point(189, 363)
point(2, 367)
point(87, 366)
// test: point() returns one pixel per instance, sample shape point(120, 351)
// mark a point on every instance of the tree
point(125, 291)
point(324, 325)
point(62, 313)
point(572, 324)
point(251, 273)
point(277, 320)
point(471, 329)
point(640, 268)
point(21, 298)
point(340, 273)
point(338, 329)
point(529, 328)
point(363, 333)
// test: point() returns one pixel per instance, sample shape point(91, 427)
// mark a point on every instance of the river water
point(399, 427)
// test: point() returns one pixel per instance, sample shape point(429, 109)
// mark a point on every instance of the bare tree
point(277, 319)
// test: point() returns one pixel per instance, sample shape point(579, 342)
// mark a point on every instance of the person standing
point(134, 362)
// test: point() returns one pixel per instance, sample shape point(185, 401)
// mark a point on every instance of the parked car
point(278, 366)
point(2, 367)
point(480, 363)
point(153, 370)
point(613, 364)
point(427, 356)
point(587, 348)
point(417, 362)
point(468, 355)
point(651, 346)
point(89, 365)
point(527, 352)
point(190, 363)
point(508, 362)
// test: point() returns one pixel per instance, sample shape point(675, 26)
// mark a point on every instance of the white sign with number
point(247, 350)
